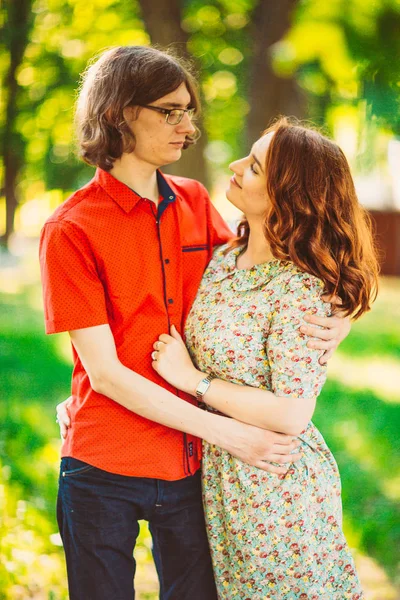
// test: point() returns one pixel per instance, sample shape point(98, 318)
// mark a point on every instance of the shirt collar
point(127, 198)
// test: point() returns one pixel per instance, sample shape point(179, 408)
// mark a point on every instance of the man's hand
point(63, 418)
point(258, 447)
point(335, 329)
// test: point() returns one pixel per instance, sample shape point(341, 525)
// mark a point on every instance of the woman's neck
point(257, 251)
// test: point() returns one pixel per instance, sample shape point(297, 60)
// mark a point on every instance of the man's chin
point(173, 156)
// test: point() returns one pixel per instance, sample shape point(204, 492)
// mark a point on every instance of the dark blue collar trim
point(166, 192)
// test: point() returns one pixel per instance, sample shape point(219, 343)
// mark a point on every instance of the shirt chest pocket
point(195, 248)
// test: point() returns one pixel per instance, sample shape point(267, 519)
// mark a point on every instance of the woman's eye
point(253, 169)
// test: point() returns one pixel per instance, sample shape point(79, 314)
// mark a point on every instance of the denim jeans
point(98, 515)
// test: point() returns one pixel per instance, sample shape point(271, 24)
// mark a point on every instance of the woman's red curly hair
point(314, 218)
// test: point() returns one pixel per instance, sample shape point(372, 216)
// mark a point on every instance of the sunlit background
point(336, 64)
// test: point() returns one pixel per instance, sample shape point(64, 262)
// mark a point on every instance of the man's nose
point(186, 125)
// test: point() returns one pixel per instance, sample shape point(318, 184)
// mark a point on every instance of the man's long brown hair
point(125, 76)
point(314, 218)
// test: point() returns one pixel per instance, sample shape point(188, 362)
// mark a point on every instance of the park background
point(334, 63)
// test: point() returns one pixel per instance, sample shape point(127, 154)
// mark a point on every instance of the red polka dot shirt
point(108, 255)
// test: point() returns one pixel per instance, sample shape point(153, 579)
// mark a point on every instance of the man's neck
point(138, 175)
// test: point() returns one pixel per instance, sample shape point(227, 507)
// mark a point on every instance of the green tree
point(16, 25)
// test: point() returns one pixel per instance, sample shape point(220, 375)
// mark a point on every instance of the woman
point(304, 232)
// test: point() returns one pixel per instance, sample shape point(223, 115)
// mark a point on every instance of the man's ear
point(130, 113)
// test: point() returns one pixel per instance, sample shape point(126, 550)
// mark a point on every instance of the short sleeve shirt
point(109, 256)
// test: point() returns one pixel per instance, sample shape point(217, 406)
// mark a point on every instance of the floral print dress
point(271, 537)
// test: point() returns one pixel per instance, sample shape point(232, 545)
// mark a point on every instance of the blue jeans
point(98, 515)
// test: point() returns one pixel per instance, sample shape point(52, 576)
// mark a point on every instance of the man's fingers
point(326, 356)
point(323, 345)
point(282, 438)
point(62, 415)
point(328, 322)
point(323, 334)
point(287, 448)
point(285, 458)
point(265, 466)
point(332, 299)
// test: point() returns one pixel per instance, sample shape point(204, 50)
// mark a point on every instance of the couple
point(133, 263)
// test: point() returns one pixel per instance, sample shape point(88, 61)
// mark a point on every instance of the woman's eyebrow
point(257, 161)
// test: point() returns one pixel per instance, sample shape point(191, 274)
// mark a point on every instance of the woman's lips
point(178, 144)
point(234, 182)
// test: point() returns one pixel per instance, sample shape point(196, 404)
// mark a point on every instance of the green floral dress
point(271, 537)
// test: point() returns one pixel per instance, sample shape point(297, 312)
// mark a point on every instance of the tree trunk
point(163, 23)
point(269, 94)
point(18, 24)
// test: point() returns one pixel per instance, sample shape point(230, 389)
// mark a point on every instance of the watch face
point(202, 387)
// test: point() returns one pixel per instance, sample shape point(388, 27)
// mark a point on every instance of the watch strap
point(203, 386)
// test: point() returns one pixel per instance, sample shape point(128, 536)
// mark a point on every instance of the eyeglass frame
point(167, 111)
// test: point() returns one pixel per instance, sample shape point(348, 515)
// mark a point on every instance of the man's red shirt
point(109, 256)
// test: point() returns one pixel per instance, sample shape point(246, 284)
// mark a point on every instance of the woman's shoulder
point(291, 278)
point(219, 254)
point(299, 290)
point(220, 259)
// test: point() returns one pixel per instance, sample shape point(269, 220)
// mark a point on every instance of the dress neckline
point(262, 266)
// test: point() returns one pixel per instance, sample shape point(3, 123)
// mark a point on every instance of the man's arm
point(327, 332)
point(108, 376)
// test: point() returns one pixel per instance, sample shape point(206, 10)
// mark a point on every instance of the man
point(121, 262)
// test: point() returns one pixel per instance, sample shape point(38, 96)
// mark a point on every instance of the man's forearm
point(149, 400)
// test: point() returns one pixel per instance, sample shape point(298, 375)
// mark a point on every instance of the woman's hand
point(335, 329)
point(171, 360)
point(63, 418)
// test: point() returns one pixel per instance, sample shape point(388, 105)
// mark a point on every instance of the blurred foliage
point(340, 52)
point(65, 35)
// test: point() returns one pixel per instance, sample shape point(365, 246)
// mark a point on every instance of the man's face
point(157, 142)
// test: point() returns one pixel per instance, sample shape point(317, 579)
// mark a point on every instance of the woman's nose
point(236, 167)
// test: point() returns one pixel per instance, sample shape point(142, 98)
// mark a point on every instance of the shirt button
point(170, 301)
point(167, 261)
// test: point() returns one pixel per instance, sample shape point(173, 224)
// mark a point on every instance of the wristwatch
point(203, 386)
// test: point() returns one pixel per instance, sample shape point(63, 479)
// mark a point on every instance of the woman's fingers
point(164, 337)
point(158, 345)
point(63, 418)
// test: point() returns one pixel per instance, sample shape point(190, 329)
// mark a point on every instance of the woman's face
point(248, 186)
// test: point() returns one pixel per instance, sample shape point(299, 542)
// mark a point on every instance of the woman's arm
point(108, 376)
point(297, 376)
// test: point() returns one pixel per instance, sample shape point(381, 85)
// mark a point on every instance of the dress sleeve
point(73, 293)
point(295, 370)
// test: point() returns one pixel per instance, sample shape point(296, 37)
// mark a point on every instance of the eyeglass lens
point(176, 116)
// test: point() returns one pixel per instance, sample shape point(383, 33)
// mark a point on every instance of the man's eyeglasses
point(173, 116)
